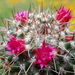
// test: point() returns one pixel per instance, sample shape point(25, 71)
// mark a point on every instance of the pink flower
point(44, 54)
point(22, 17)
point(15, 45)
point(63, 15)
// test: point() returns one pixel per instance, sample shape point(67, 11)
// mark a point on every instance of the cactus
point(37, 42)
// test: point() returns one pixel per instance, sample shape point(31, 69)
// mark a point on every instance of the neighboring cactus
point(37, 43)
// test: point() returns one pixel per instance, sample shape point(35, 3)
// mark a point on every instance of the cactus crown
point(37, 42)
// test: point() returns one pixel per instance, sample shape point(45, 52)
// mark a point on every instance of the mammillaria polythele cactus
point(36, 43)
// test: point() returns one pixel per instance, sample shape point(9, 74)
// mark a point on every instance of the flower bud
point(69, 38)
